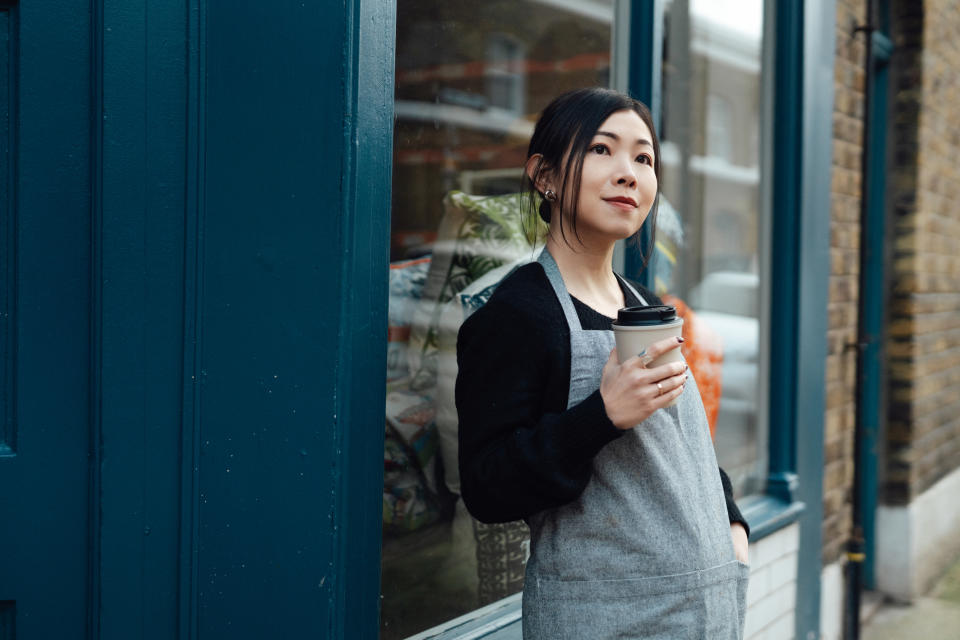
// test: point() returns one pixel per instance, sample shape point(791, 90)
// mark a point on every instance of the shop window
point(719, 127)
point(712, 246)
point(505, 73)
point(471, 78)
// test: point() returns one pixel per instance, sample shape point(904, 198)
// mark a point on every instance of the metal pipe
point(856, 552)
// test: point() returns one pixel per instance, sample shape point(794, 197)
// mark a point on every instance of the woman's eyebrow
point(608, 134)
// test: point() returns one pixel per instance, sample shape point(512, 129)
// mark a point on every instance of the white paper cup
point(632, 340)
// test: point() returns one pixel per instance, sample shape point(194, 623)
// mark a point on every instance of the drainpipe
point(856, 552)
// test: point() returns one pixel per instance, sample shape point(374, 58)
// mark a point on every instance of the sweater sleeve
point(515, 458)
point(733, 512)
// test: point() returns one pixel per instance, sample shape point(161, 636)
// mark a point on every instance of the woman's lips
point(622, 200)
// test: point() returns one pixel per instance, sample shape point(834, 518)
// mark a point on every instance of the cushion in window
point(477, 234)
point(406, 285)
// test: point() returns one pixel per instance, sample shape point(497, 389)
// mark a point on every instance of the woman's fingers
point(666, 385)
point(613, 358)
point(664, 371)
point(669, 395)
point(631, 392)
point(653, 352)
point(675, 381)
point(660, 347)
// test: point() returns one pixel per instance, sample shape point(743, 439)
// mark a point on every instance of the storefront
point(240, 240)
point(743, 118)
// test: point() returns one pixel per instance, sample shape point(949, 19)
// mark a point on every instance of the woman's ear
point(539, 175)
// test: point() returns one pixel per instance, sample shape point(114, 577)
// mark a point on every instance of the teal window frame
point(803, 106)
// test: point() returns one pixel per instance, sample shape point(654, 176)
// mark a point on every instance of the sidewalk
point(935, 616)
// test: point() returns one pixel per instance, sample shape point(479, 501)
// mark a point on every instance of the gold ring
point(659, 389)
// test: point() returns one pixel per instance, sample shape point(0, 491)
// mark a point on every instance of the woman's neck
point(587, 272)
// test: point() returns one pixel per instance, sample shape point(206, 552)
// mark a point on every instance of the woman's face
point(618, 184)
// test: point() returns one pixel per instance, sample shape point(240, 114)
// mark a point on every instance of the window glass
point(471, 78)
point(711, 249)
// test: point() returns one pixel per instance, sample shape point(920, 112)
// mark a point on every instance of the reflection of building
point(714, 175)
point(196, 232)
point(713, 104)
point(468, 101)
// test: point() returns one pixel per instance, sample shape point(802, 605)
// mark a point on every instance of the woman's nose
point(625, 174)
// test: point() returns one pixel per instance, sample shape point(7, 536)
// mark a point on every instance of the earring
point(550, 195)
point(544, 210)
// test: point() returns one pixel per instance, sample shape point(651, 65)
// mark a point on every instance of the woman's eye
point(599, 149)
point(644, 160)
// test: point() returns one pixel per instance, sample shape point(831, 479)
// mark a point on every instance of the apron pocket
point(696, 605)
point(742, 584)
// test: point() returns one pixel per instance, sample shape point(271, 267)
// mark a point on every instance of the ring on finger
point(645, 358)
point(659, 389)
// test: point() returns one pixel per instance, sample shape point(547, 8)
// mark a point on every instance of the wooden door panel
point(7, 203)
point(45, 271)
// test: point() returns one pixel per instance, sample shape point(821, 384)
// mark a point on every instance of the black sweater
point(521, 449)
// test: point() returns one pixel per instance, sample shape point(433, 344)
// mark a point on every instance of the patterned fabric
point(477, 234)
point(502, 551)
point(491, 233)
point(481, 239)
point(411, 416)
point(406, 284)
point(454, 312)
point(472, 302)
point(406, 504)
point(409, 462)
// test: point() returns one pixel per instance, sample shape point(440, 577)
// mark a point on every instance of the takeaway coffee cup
point(636, 328)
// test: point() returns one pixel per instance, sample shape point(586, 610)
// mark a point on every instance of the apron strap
point(624, 283)
point(556, 281)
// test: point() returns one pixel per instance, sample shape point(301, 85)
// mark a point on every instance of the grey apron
point(645, 551)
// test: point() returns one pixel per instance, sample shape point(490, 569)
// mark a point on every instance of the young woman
point(634, 532)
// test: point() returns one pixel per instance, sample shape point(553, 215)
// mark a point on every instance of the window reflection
point(471, 79)
point(711, 243)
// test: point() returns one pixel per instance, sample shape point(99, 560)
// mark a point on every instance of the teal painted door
point(193, 233)
point(45, 318)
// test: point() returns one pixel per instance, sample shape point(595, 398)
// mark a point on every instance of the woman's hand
point(741, 546)
point(631, 392)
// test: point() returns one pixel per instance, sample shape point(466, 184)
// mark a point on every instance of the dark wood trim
point(362, 347)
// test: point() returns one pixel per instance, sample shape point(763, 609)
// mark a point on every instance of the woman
point(634, 532)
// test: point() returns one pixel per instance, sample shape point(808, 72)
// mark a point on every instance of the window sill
point(497, 621)
point(766, 514)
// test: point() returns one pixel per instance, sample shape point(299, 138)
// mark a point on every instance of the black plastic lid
point(643, 316)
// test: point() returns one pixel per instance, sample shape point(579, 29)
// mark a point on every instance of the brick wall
point(923, 439)
point(844, 270)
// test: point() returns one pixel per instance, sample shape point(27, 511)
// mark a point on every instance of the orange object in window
point(703, 349)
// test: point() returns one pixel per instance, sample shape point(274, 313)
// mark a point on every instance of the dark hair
point(569, 123)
